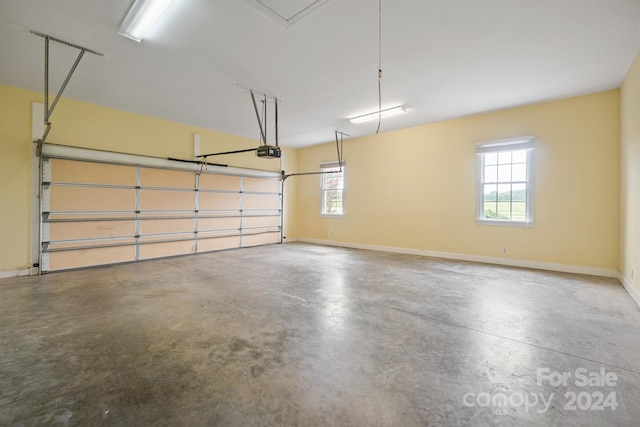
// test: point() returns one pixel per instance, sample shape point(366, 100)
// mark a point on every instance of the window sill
point(501, 223)
point(332, 215)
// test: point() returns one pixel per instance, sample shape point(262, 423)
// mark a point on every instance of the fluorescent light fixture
point(141, 16)
point(382, 113)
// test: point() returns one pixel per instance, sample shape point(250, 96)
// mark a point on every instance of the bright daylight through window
point(332, 189)
point(505, 185)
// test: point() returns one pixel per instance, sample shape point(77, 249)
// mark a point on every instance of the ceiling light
point(376, 114)
point(141, 16)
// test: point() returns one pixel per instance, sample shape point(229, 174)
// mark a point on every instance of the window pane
point(519, 192)
point(504, 157)
point(504, 210)
point(332, 179)
point(504, 192)
point(333, 202)
point(490, 174)
point(519, 172)
point(490, 193)
point(519, 156)
point(519, 211)
point(339, 179)
point(504, 173)
point(490, 210)
point(491, 158)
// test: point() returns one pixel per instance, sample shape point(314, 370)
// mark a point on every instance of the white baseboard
point(635, 294)
point(564, 268)
point(5, 274)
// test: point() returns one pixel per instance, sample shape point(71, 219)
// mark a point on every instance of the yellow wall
point(291, 195)
point(413, 188)
point(630, 177)
point(91, 126)
point(15, 177)
point(416, 188)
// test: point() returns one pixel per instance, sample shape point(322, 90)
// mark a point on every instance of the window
point(505, 184)
point(332, 188)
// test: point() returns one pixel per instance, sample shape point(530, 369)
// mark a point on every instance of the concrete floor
point(300, 334)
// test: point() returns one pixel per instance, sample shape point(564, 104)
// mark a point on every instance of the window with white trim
point(332, 184)
point(505, 181)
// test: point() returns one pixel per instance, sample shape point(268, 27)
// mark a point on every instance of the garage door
point(97, 211)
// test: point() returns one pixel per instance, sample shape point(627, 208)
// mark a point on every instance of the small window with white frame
point(505, 181)
point(332, 184)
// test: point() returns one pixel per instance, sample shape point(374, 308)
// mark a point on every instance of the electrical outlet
point(504, 250)
point(632, 274)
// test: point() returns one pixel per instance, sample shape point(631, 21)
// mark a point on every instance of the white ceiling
point(441, 58)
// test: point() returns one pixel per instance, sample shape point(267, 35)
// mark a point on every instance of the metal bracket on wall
point(48, 111)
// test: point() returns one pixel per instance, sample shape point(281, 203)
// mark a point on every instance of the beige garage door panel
point(148, 216)
point(218, 201)
point(91, 199)
point(90, 257)
point(91, 229)
point(219, 243)
point(157, 200)
point(169, 238)
point(261, 221)
point(92, 215)
point(261, 202)
point(158, 250)
point(207, 224)
point(90, 245)
point(94, 173)
point(260, 239)
point(261, 185)
point(219, 182)
point(166, 178)
point(166, 226)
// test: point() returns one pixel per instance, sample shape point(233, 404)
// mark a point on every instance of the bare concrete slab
point(301, 334)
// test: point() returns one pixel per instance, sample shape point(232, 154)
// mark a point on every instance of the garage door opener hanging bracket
point(339, 143)
point(264, 150)
point(48, 111)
